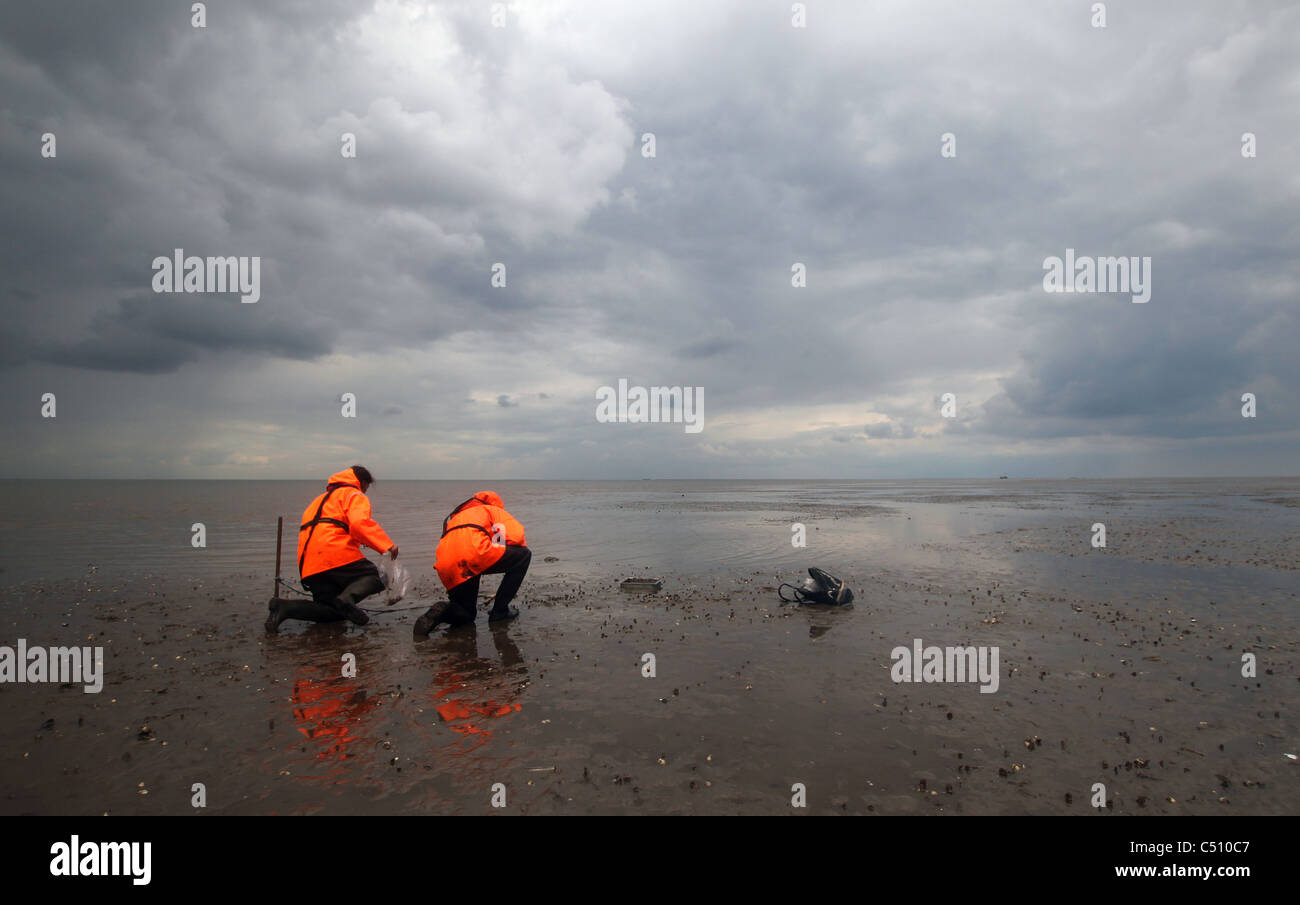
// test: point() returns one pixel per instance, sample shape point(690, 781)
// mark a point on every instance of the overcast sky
point(774, 144)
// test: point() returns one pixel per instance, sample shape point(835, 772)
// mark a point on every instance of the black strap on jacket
point(458, 527)
point(316, 520)
point(453, 512)
point(491, 535)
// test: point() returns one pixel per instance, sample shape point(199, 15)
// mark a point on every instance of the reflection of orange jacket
point(331, 712)
point(467, 547)
point(343, 526)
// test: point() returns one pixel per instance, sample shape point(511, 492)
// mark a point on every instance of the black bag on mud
point(818, 588)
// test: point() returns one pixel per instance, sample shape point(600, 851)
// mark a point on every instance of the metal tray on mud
point(642, 585)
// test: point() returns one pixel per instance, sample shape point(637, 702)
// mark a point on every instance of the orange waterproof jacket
point(335, 525)
point(467, 547)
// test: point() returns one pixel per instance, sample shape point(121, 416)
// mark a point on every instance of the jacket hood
point(482, 498)
point(346, 476)
point(490, 498)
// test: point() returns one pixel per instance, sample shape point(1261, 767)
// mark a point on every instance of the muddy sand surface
point(1111, 671)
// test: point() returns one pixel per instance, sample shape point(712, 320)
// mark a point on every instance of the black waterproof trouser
point(334, 592)
point(464, 597)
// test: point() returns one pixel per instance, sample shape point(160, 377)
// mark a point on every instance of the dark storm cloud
point(223, 141)
point(706, 348)
point(521, 146)
point(156, 334)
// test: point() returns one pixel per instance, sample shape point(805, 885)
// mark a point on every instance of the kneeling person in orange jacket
point(478, 538)
point(330, 561)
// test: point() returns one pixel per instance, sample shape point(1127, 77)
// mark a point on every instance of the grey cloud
point(519, 145)
point(158, 334)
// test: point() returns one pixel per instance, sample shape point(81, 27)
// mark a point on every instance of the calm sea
point(598, 529)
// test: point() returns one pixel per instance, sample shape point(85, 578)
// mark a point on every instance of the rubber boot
point(460, 612)
point(431, 619)
point(355, 615)
point(360, 589)
point(502, 615)
point(356, 592)
point(307, 610)
point(273, 618)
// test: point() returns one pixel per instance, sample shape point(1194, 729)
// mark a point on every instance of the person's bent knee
point(515, 557)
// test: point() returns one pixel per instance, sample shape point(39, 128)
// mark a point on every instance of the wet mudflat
point(1119, 665)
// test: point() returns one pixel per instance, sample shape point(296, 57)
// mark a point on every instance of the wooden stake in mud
point(279, 534)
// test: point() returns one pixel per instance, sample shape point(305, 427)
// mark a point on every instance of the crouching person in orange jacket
point(478, 538)
point(330, 561)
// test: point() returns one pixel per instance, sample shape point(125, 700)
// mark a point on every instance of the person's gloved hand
point(392, 551)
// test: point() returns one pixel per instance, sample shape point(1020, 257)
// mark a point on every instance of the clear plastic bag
point(397, 579)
